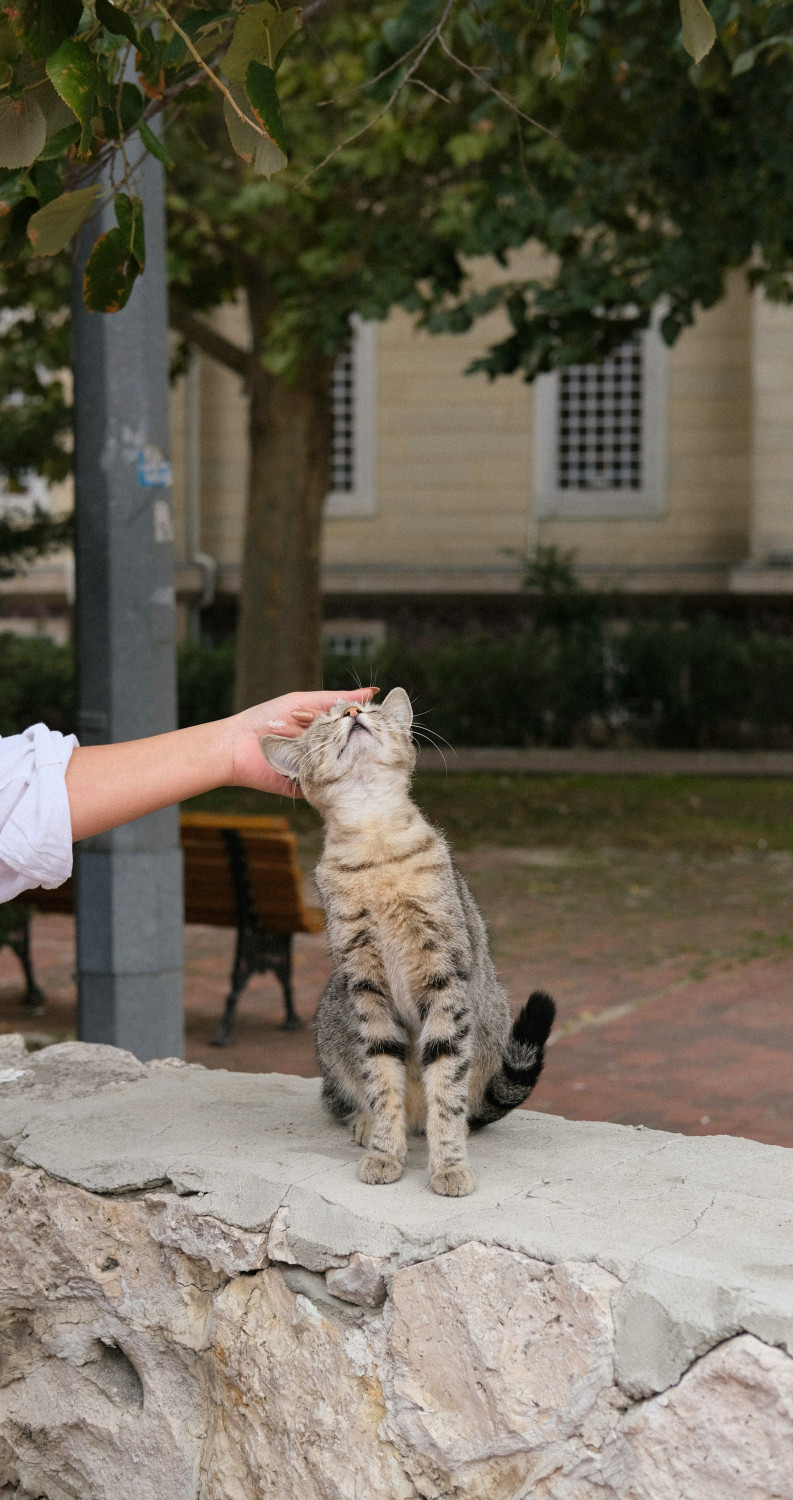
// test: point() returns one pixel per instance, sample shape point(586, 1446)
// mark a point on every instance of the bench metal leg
point(240, 974)
point(259, 953)
point(222, 1036)
point(282, 968)
point(19, 943)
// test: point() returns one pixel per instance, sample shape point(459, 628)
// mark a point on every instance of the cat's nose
point(352, 711)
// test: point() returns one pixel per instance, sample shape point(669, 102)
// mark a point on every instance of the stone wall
point(200, 1299)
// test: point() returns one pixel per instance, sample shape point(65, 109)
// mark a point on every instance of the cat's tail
point(521, 1063)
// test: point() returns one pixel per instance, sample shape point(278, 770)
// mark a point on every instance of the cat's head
point(353, 745)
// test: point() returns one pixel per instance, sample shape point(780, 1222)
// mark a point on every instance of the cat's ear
point(399, 708)
point(282, 754)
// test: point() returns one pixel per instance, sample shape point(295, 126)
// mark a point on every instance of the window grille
point(343, 402)
point(600, 436)
point(600, 412)
point(353, 394)
point(353, 637)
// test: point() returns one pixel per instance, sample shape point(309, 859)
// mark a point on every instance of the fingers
point(295, 711)
point(306, 715)
point(319, 703)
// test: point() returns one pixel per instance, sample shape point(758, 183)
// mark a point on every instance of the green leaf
point(15, 225)
point(86, 140)
point(249, 42)
point(699, 32)
point(261, 34)
point(263, 98)
point(154, 144)
point(129, 217)
point(203, 23)
point(747, 60)
point(130, 106)
point(73, 71)
point(116, 21)
point(58, 145)
point(57, 114)
point(248, 142)
point(46, 179)
point(50, 22)
point(282, 30)
point(122, 115)
point(561, 23)
point(10, 45)
point(51, 228)
point(110, 274)
point(23, 131)
point(744, 61)
point(13, 187)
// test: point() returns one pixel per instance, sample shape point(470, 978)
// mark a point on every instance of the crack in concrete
point(678, 1239)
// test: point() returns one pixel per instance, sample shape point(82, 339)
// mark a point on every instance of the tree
point(68, 104)
point(660, 179)
point(34, 412)
point(308, 250)
point(452, 133)
point(606, 163)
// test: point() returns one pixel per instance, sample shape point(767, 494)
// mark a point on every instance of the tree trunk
point(291, 437)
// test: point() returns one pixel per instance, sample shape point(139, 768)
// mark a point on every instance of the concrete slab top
point(699, 1229)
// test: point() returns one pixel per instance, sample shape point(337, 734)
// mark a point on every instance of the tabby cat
point(413, 1030)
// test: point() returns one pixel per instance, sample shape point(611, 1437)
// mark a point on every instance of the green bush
point(535, 689)
point(665, 683)
point(36, 684)
point(572, 677)
point(205, 682)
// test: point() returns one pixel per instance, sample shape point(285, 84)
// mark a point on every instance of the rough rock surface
point(200, 1301)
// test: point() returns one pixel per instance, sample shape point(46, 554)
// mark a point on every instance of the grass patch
point(695, 814)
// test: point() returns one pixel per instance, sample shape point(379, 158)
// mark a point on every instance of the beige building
point(664, 471)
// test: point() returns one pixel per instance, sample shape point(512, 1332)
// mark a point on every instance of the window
point(353, 637)
point(342, 387)
point(354, 398)
point(600, 435)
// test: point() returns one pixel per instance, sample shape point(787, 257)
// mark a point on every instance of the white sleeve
point(35, 824)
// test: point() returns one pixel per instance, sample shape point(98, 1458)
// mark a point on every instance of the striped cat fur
point(413, 1031)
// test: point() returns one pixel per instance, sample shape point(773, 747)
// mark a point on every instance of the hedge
point(572, 678)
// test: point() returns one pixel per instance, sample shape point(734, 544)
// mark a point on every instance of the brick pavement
point(661, 1044)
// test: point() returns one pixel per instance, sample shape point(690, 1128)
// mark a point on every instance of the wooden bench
point(238, 872)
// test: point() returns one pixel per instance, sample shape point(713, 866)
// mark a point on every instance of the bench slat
point(271, 856)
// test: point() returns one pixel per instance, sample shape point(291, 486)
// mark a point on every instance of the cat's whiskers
point(434, 736)
point(428, 730)
point(418, 733)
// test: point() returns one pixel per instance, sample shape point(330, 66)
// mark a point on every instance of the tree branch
point(229, 97)
point(424, 48)
point(197, 331)
point(491, 88)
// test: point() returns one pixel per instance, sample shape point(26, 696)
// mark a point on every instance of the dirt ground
point(669, 952)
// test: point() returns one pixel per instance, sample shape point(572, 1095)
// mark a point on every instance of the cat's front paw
point(377, 1167)
point(453, 1182)
point(362, 1130)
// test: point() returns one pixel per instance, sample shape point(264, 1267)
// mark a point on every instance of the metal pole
point(129, 881)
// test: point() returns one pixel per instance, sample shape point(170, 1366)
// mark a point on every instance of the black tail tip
point(533, 1024)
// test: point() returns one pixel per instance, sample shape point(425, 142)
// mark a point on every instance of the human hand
point(289, 716)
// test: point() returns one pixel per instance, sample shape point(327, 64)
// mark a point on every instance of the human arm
point(112, 784)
